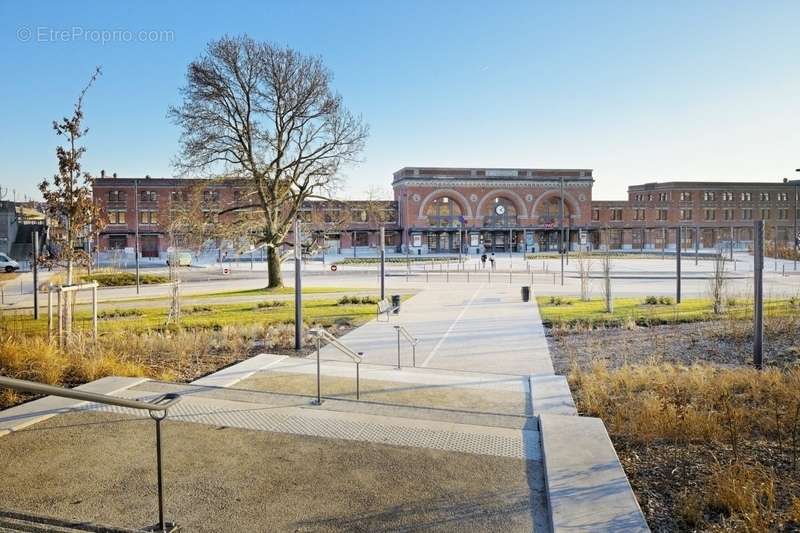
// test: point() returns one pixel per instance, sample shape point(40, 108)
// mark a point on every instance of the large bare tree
point(268, 115)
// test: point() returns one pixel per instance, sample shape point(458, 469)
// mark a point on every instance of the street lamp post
point(561, 230)
point(136, 216)
point(383, 261)
point(796, 234)
point(298, 289)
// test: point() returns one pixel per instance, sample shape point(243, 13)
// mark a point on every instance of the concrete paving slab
point(551, 395)
point(421, 376)
point(229, 376)
point(481, 328)
point(219, 478)
point(586, 485)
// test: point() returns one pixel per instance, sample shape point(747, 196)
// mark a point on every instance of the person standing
point(491, 260)
point(483, 260)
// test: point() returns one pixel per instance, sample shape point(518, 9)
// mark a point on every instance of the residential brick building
point(712, 214)
point(342, 225)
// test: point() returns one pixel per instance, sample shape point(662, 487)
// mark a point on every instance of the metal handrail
point(331, 339)
point(51, 390)
point(157, 409)
point(401, 330)
point(356, 357)
point(407, 335)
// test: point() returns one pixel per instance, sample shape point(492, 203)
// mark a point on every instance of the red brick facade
point(474, 209)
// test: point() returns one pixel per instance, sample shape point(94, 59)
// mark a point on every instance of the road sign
point(333, 268)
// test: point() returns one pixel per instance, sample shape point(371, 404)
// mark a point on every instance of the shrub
point(558, 300)
point(199, 309)
point(119, 313)
point(118, 279)
point(269, 304)
point(658, 300)
point(356, 300)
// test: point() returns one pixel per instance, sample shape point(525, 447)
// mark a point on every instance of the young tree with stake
point(267, 115)
point(68, 199)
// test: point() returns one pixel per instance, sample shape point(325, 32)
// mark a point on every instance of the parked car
point(180, 259)
point(7, 264)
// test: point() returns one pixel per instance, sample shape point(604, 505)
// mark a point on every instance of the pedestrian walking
point(483, 261)
point(491, 260)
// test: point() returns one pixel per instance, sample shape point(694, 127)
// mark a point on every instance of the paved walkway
point(477, 328)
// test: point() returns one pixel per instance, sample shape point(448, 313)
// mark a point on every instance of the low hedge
point(120, 279)
point(395, 259)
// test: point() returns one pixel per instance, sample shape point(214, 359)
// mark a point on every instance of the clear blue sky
point(636, 90)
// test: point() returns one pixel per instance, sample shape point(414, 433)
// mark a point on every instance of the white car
point(7, 264)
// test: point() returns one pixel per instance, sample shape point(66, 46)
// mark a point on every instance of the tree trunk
point(67, 302)
point(274, 268)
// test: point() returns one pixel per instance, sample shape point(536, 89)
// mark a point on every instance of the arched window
point(549, 209)
point(500, 213)
point(443, 212)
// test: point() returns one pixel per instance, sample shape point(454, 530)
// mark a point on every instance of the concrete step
point(14, 521)
point(300, 417)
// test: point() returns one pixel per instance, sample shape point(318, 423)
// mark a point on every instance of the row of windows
point(711, 196)
point(709, 214)
point(209, 195)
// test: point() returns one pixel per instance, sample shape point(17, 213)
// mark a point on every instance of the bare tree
point(68, 199)
point(584, 269)
point(329, 217)
point(268, 115)
point(717, 282)
point(605, 266)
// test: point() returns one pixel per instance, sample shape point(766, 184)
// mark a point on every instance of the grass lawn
point(205, 317)
point(280, 290)
point(572, 311)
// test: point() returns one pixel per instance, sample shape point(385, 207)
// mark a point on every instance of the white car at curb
point(7, 264)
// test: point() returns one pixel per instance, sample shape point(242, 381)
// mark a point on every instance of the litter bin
point(526, 293)
point(396, 304)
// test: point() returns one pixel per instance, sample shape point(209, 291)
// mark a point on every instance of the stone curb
point(22, 416)
point(587, 489)
point(551, 395)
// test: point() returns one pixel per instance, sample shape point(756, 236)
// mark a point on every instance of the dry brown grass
point(731, 437)
point(178, 355)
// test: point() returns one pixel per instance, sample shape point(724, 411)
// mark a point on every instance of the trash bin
point(526, 293)
point(396, 304)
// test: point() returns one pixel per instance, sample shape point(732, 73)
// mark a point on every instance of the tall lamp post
point(561, 230)
point(796, 234)
point(298, 289)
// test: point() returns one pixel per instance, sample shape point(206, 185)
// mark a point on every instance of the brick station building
point(444, 210)
point(509, 209)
